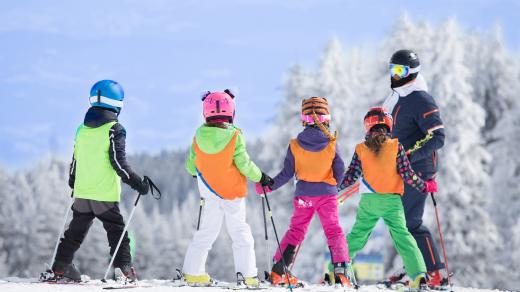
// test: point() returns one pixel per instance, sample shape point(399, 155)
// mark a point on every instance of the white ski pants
point(214, 211)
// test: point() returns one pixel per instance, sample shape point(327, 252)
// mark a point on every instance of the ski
point(245, 287)
point(127, 286)
point(326, 287)
point(50, 278)
point(399, 284)
point(392, 285)
point(179, 281)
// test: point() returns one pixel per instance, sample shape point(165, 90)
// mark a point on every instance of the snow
point(15, 284)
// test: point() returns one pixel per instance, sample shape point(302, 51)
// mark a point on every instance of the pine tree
point(471, 237)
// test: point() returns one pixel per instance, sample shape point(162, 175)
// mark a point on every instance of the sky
point(166, 53)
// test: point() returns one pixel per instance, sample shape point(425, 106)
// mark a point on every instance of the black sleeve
point(72, 173)
point(429, 120)
point(117, 155)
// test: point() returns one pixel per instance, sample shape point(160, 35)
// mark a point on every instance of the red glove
point(258, 188)
point(430, 186)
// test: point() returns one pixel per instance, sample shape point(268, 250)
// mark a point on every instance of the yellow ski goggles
point(402, 71)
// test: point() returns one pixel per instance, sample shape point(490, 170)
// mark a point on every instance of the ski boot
point(247, 282)
point(437, 282)
point(198, 280)
point(419, 283)
point(61, 272)
point(328, 279)
point(281, 280)
point(395, 280)
point(341, 275)
point(125, 274)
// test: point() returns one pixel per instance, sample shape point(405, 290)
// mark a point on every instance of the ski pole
point(295, 256)
point(277, 240)
point(350, 269)
point(266, 236)
point(200, 212)
point(442, 240)
point(62, 228)
point(152, 188)
point(347, 193)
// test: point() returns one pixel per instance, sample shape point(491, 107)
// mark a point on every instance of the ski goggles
point(402, 71)
point(310, 120)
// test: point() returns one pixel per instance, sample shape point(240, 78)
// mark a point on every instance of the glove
point(266, 180)
point(258, 188)
point(143, 188)
point(430, 186)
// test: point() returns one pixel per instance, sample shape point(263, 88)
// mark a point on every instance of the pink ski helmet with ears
point(218, 106)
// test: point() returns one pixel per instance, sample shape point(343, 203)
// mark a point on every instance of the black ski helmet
point(407, 58)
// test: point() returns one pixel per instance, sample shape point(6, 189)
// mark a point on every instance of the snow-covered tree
point(471, 237)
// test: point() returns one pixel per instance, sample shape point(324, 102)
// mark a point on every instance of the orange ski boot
point(281, 280)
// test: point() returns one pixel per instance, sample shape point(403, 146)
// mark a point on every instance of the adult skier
point(98, 166)
point(416, 116)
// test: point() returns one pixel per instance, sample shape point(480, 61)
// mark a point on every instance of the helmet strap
point(99, 96)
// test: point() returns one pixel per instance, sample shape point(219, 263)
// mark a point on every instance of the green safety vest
point(96, 179)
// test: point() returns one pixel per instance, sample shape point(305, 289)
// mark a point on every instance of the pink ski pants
point(327, 208)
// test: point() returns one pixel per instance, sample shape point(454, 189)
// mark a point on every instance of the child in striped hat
point(314, 160)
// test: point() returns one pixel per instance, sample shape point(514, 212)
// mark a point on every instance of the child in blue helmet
point(98, 166)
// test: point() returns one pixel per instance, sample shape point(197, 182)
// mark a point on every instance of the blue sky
point(165, 53)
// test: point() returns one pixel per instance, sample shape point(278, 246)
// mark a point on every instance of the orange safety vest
point(219, 172)
point(380, 171)
point(314, 166)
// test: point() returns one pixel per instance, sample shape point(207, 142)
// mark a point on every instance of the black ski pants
point(84, 212)
point(413, 203)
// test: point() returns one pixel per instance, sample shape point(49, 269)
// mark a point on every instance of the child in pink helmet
point(219, 160)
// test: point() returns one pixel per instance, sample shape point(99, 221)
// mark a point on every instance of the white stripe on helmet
point(106, 100)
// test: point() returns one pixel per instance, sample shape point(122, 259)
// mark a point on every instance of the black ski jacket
point(416, 115)
point(96, 117)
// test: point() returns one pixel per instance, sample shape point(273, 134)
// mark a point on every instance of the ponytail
point(376, 138)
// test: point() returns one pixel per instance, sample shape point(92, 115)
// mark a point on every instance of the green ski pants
point(390, 208)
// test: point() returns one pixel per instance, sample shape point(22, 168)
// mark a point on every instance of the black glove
point(266, 181)
point(143, 188)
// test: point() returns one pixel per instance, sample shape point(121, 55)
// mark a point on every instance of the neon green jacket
point(96, 179)
point(213, 140)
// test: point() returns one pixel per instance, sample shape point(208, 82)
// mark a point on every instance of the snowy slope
point(23, 284)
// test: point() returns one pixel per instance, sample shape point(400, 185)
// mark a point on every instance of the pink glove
point(430, 186)
point(258, 188)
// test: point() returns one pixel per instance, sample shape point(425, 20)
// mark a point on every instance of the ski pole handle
point(153, 188)
point(433, 199)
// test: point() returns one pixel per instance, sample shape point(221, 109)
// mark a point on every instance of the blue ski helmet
point(108, 94)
